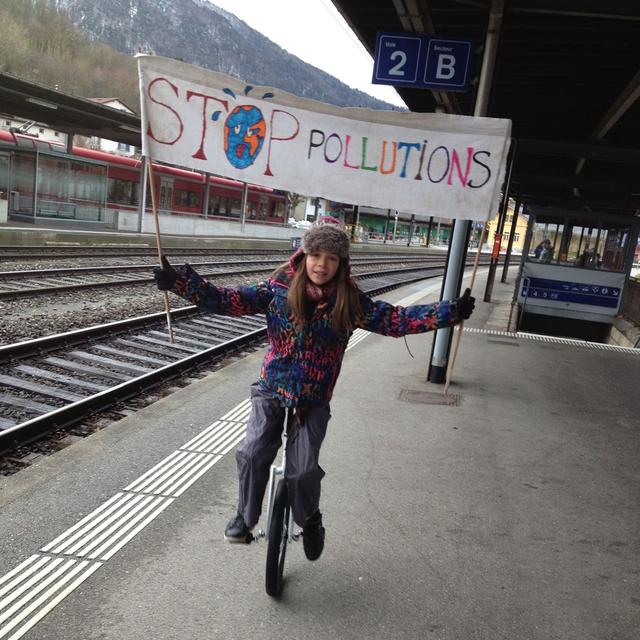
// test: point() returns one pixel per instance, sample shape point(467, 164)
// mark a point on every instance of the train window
point(23, 172)
point(186, 198)
point(214, 205)
point(69, 189)
point(262, 209)
point(277, 209)
point(123, 192)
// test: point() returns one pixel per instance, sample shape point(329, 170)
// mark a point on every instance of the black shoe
point(237, 531)
point(313, 537)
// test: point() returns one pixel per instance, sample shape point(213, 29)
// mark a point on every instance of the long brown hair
point(347, 311)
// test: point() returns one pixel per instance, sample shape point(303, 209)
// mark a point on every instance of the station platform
point(74, 234)
point(511, 514)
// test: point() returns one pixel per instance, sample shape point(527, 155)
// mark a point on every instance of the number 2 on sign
point(396, 70)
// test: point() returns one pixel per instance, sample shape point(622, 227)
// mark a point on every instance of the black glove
point(466, 303)
point(165, 276)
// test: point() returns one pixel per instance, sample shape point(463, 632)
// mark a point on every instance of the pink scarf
point(320, 294)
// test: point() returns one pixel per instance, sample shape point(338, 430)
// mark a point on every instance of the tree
point(292, 201)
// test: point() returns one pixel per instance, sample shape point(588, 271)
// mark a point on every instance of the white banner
point(427, 164)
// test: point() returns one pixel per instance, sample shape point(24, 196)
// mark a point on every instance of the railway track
point(57, 252)
point(53, 382)
point(60, 252)
point(29, 282)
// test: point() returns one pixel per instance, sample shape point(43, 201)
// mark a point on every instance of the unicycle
point(280, 525)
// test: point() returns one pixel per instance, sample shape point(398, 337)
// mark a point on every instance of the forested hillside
point(43, 46)
point(71, 45)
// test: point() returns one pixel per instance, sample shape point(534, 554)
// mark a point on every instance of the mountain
point(202, 34)
point(40, 45)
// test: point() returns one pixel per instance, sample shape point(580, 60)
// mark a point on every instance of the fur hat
point(329, 237)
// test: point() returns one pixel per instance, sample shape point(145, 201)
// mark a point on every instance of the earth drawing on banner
point(244, 131)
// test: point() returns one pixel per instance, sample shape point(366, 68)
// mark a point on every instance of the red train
point(40, 180)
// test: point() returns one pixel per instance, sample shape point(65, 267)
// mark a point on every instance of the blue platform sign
point(416, 60)
point(595, 295)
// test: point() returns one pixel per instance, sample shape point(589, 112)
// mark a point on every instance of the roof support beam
point(599, 152)
point(416, 19)
point(623, 103)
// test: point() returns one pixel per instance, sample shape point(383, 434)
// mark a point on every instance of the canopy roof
point(567, 74)
point(66, 113)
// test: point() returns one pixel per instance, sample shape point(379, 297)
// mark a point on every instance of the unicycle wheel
point(277, 538)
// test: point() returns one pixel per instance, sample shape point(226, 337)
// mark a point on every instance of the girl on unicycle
point(312, 305)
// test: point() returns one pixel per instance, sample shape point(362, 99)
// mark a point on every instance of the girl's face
point(322, 267)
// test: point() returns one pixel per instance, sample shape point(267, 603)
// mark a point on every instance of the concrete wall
point(624, 333)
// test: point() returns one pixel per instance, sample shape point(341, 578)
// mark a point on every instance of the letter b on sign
point(420, 61)
point(447, 64)
point(445, 69)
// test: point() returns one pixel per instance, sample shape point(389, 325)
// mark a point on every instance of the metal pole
point(457, 251)
point(429, 231)
point(243, 206)
point(512, 233)
point(386, 226)
point(411, 229)
point(395, 228)
point(207, 190)
point(495, 255)
point(523, 259)
point(142, 205)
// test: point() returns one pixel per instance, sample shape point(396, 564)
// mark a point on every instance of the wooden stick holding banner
point(158, 243)
point(452, 361)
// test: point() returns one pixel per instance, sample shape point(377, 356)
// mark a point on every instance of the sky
point(315, 32)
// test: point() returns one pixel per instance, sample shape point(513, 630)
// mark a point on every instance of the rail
point(105, 365)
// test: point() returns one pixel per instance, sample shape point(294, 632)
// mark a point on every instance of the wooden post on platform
point(158, 243)
point(452, 362)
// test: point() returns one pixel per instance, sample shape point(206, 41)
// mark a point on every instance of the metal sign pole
point(441, 349)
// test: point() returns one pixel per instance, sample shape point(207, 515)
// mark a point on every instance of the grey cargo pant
point(258, 451)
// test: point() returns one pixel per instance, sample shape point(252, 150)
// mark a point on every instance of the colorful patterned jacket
point(301, 367)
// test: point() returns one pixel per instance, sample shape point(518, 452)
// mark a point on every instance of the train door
point(165, 201)
point(4, 186)
point(4, 176)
